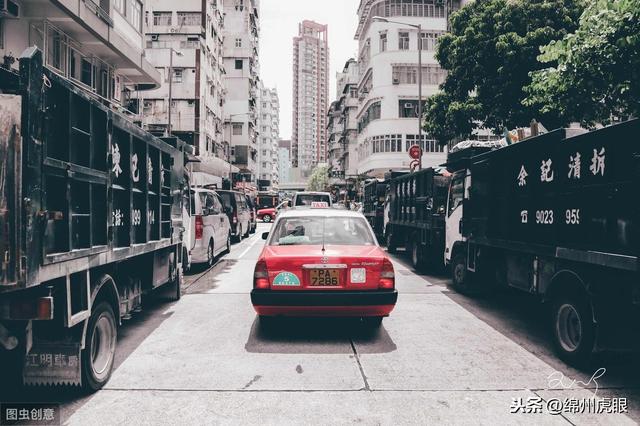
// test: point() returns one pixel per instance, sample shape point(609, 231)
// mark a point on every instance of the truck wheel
point(266, 218)
point(238, 237)
point(459, 274)
point(573, 328)
point(391, 248)
point(175, 287)
point(100, 347)
point(417, 257)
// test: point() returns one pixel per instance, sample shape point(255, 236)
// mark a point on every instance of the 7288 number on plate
point(325, 277)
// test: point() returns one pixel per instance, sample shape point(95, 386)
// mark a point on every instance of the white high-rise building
point(388, 77)
point(342, 125)
point(284, 161)
point(184, 37)
point(310, 96)
point(269, 134)
point(241, 30)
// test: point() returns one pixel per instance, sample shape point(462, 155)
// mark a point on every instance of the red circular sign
point(415, 152)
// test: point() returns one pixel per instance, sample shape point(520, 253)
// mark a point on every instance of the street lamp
point(171, 52)
point(229, 150)
point(419, 27)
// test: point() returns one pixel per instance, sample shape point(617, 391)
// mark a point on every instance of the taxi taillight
point(387, 276)
point(261, 276)
point(199, 227)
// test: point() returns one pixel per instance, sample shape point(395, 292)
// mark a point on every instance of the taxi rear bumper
point(339, 303)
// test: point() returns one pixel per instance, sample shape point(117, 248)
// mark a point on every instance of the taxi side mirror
point(265, 235)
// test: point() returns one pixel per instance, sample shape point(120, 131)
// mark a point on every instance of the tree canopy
point(597, 75)
point(489, 54)
point(319, 179)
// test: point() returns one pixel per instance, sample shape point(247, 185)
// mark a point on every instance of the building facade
point(388, 76)
point(184, 42)
point(310, 96)
point(269, 135)
point(96, 45)
point(240, 56)
point(342, 125)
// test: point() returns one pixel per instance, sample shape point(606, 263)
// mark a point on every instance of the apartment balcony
point(90, 28)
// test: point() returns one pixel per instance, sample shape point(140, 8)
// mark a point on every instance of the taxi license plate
point(325, 277)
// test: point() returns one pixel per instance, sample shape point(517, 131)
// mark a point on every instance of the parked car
point(323, 262)
point(305, 199)
point(237, 209)
point(254, 214)
point(267, 215)
point(210, 230)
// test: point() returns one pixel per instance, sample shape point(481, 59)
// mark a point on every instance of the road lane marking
point(249, 248)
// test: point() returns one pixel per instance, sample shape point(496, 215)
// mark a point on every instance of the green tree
point(319, 179)
point(597, 75)
point(489, 53)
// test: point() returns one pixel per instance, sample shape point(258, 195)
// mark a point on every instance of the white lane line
point(250, 247)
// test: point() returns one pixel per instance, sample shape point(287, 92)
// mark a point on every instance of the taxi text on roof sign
point(319, 205)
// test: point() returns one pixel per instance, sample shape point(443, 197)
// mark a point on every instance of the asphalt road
point(440, 358)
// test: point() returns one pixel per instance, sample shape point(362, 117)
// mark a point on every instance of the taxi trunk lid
point(309, 268)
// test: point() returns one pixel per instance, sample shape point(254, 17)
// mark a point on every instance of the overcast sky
point(279, 24)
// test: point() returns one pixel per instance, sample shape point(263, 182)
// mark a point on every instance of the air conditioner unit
point(396, 81)
point(9, 9)
point(408, 105)
point(154, 37)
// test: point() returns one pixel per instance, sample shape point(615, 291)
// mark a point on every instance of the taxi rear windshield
point(304, 231)
point(307, 199)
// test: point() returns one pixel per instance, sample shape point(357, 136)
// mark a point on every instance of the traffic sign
point(415, 152)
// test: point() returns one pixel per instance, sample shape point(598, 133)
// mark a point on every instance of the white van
point(209, 233)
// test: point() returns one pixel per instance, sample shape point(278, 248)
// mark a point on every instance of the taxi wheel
point(266, 321)
point(266, 218)
point(372, 322)
point(228, 249)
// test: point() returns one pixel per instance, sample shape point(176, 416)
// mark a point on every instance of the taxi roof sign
point(319, 205)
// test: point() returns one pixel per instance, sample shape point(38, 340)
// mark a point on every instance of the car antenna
point(323, 223)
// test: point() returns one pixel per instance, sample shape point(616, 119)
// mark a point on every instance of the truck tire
point(460, 277)
point(227, 250)
point(100, 347)
point(572, 327)
point(417, 257)
point(391, 248)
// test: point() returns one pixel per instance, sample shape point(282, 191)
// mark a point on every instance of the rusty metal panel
point(10, 150)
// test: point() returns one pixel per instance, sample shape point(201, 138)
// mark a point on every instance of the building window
point(408, 74)
point(408, 108)
point(383, 42)
point(403, 40)
point(120, 6)
point(372, 113)
point(177, 75)
point(238, 64)
point(161, 18)
point(189, 18)
point(237, 129)
point(134, 14)
point(238, 42)
point(429, 40)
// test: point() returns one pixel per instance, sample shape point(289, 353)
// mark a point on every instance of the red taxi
point(323, 262)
